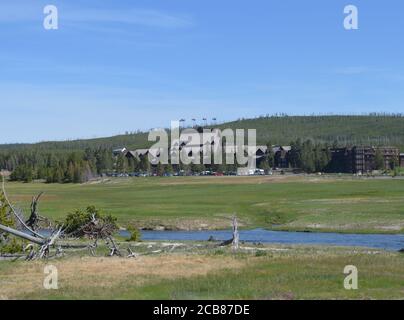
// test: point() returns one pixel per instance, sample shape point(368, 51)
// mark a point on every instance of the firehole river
point(391, 242)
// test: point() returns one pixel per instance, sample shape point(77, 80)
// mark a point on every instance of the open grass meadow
point(315, 203)
point(276, 273)
point(202, 270)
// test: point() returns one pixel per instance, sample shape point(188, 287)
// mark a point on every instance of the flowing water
point(380, 241)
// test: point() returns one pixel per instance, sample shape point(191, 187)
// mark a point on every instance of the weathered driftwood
point(96, 229)
point(234, 241)
point(17, 216)
point(21, 234)
point(34, 216)
point(131, 254)
point(45, 248)
point(92, 246)
point(113, 248)
point(45, 244)
point(12, 257)
point(31, 252)
point(235, 234)
point(35, 220)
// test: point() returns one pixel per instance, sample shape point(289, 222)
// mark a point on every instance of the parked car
point(259, 172)
point(206, 173)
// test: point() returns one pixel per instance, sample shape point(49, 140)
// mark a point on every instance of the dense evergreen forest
point(82, 166)
point(372, 129)
point(310, 137)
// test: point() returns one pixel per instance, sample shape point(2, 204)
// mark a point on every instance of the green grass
point(295, 203)
point(297, 273)
point(303, 277)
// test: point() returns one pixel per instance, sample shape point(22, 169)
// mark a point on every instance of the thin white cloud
point(352, 70)
point(380, 73)
point(29, 12)
point(16, 12)
point(143, 17)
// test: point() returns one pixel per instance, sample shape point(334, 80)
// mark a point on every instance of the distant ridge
point(372, 129)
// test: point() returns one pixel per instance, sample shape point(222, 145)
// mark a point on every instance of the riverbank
point(199, 271)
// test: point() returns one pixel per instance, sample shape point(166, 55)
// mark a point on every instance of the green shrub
point(219, 252)
point(135, 234)
point(8, 244)
point(12, 246)
point(5, 217)
point(260, 253)
point(74, 221)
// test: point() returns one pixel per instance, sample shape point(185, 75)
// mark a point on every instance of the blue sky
point(116, 66)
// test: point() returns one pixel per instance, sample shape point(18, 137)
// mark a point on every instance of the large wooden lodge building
point(359, 159)
point(356, 159)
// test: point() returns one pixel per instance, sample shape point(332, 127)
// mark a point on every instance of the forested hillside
point(377, 129)
point(345, 130)
point(132, 140)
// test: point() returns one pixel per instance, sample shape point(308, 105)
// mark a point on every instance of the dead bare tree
point(113, 248)
point(96, 229)
point(17, 215)
point(45, 248)
point(45, 244)
point(235, 234)
point(34, 217)
point(35, 220)
point(234, 241)
point(131, 254)
point(31, 253)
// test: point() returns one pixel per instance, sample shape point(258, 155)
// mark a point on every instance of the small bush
point(5, 216)
point(260, 253)
point(12, 246)
point(8, 244)
point(219, 252)
point(135, 234)
point(74, 221)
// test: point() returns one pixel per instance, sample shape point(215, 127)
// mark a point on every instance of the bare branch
point(15, 213)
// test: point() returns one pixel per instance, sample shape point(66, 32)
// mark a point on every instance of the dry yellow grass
point(75, 273)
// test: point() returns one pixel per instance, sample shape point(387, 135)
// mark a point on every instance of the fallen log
point(97, 229)
point(22, 235)
point(45, 248)
point(11, 257)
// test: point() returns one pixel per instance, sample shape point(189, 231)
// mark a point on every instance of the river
point(380, 241)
